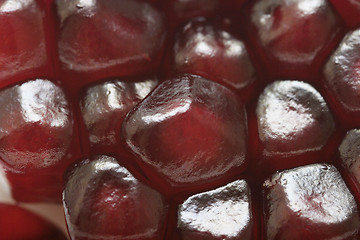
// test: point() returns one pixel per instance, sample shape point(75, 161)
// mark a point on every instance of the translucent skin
point(36, 137)
point(105, 105)
point(290, 35)
point(103, 200)
point(200, 132)
point(19, 224)
point(311, 202)
point(342, 75)
point(24, 48)
point(223, 213)
point(202, 49)
point(294, 124)
point(189, 130)
point(349, 156)
point(135, 24)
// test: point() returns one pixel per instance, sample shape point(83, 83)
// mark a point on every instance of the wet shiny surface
point(350, 154)
point(342, 72)
point(203, 49)
point(294, 31)
point(35, 125)
point(293, 118)
point(223, 213)
point(189, 130)
point(105, 105)
point(92, 30)
point(310, 202)
point(22, 45)
point(103, 200)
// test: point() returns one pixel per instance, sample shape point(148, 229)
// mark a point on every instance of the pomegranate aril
point(103, 200)
point(290, 35)
point(223, 213)
point(349, 152)
point(36, 137)
point(293, 121)
point(309, 202)
point(22, 41)
point(342, 77)
point(188, 131)
point(20, 224)
point(105, 105)
point(109, 38)
point(201, 48)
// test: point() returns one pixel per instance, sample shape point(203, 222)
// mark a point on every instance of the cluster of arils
point(185, 120)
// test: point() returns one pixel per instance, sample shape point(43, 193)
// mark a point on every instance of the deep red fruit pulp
point(119, 65)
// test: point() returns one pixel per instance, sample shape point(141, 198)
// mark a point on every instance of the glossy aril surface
point(206, 50)
point(103, 200)
point(36, 134)
point(311, 202)
point(293, 119)
point(223, 213)
point(22, 41)
point(290, 34)
point(90, 33)
point(182, 119)
point(20, 224)
point(188, 130)
point(342, 74)
point(349, 152)
point(105, 105)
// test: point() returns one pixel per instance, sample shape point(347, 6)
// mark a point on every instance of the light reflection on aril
point(224, 212)
point(315, 196)
point(288, 113)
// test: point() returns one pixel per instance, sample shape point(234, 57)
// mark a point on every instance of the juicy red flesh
point(311, 202)
point(20, 224)
point(290, 36)
point(342, 77)
point(104, 199)
point(184, 136)
point(36, 137)
point(189, 130)
point(206, 50)
point(223, 213)
point(294, 123)
point(105, 105)
point(22, 41)
point(349, 156)
point(102, 38)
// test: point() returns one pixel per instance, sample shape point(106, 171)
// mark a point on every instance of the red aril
point(198, 102)
point(105, 105)
point(342, 78)
point(189, 131)
point(99, 39)
point(206, 50)
point(290, 35)
point(36, 138)
point(22, 41)
point(223, 213)
point(311, 202)
point(103, 200)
